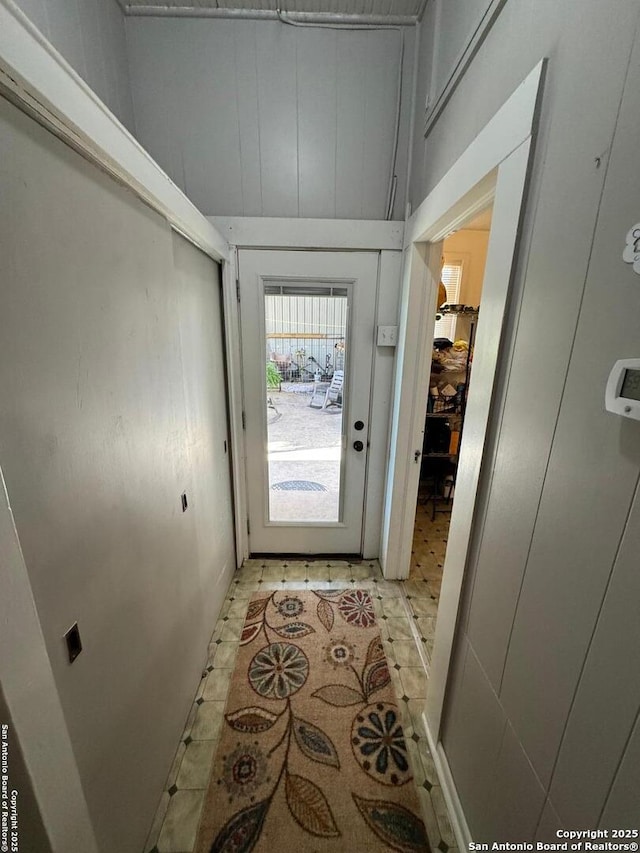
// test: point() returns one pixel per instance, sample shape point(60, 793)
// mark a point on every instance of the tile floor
point(427, 559)
point(406, 613)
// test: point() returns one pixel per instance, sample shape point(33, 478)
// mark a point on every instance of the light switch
point(387, 336)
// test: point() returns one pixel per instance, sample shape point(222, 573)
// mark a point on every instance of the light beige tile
point(216, 685)
point(428, 767)
point(429, 818)
point(178, 833)
point(406, 653)
point(397, 684)
point(273, 573)
point(424, 606)
point(363, 572)
point(426, 626)
point(196, 765)
point(418, 589)
point(442, 816)
point(225, 655)
point(208, 721)
point(295, 572)
point(231, 630)
point(388, 650)
point(319, 585)
point(158, 820)
point(399, 628)
point(249, 572)
point(237, 609)
point(414, 760)
point(340, 572)
point(244, 590)
point(393, 607)
point(389, 589)
point(414, 682)
point(295, 585)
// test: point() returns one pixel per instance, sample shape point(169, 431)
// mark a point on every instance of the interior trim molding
point(449, 791)
point(248, 232)
point(38, 80)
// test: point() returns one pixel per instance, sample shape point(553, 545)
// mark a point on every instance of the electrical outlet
point(73, 641)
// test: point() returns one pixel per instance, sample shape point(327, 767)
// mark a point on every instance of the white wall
point(113, 404)
point(541, 720)
point(259, 118)
point(90, 35)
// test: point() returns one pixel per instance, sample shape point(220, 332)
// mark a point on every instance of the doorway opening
point(450, 372)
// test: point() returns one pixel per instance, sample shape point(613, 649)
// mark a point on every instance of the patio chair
point(333, 396)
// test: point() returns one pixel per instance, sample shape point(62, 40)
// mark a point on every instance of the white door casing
point(358, 273)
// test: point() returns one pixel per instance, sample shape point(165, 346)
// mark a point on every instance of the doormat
point(312, 755)
point(298, 486)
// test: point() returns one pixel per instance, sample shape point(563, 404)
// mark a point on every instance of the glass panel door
point(306, 347)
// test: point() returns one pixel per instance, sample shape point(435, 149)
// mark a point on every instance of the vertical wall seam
point(237, 99)
point(297, 122)
point(255, 57)
point(335, 147)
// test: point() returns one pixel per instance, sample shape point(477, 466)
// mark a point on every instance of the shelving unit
point(456, 405)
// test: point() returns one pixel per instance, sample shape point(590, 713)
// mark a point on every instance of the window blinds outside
point(451, 277)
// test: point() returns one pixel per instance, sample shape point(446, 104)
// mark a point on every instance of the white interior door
point(307, 318)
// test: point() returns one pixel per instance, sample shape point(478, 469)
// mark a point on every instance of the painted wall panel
point(299, 122)
point(277, 62)
point(317, 87)
point(110, 373)
point(564, 472)
point(515, 797)
point(473, 734)
point(90, 35)
point(350, 117)
point(248, 123)
point(607, 700)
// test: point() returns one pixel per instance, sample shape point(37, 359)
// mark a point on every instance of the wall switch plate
point(387, 336)
point(73, 641)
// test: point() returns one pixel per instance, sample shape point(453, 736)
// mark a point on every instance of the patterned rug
point(312, 755)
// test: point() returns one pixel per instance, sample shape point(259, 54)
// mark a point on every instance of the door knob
point(358, 445)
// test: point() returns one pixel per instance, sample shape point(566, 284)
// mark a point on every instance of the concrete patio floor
point(304, 445)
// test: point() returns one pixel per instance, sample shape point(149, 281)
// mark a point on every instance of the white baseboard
point(456, 813)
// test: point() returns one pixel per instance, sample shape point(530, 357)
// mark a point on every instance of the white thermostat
point(622, 396)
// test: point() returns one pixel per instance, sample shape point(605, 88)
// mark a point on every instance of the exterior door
point(307, 324)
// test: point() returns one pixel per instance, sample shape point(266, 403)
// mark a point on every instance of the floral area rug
point(312, 755)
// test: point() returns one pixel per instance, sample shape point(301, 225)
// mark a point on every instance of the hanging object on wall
point(631, 254)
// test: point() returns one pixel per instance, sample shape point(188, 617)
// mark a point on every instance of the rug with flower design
point(312, 754)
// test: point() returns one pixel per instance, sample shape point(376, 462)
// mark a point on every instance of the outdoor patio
point(304, 455)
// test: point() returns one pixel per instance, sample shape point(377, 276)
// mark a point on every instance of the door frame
point(493, 169)
point(315, 235)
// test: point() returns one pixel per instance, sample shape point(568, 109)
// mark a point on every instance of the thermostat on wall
point(622, 396)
